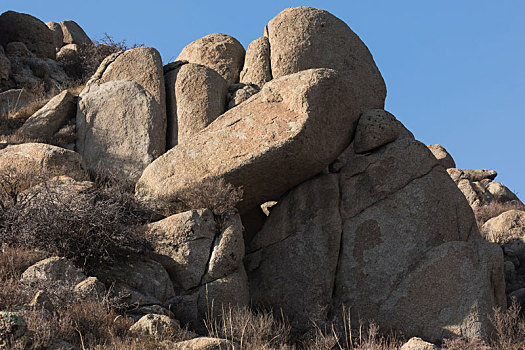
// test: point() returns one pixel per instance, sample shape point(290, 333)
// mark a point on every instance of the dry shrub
point(489, 211)
point(92, 226)
point(14, 261)
point(465, 344)
point(82, 65)
point(509, 327)
point(214, 194)
point(250, 329)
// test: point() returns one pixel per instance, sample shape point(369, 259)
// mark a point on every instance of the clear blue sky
point(454, 69)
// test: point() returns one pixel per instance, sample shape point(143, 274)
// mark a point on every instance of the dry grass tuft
point(250, 329)
point(463, 344)
point(509, 327)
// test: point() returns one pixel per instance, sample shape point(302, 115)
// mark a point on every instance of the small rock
point(442, 155)
point(238, 93)
point(156, 326)
point(91, 288)
point(12, 327)
point(256, 68)
point(418, 344)
point(50, 271)
point(41, 301)
point(377, 128)
point(204, 343)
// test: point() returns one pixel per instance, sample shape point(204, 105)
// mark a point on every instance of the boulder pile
point(362, 215)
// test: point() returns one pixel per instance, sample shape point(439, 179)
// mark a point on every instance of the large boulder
point(142, 65)
point(73, 33)
point(45, 122)
point(196, 96)
point(442, 155)
point(31, 31)
point(121, 128)
point(292, 261)
point(138, 281)
point(388, 235)
point(182, 244)
point(285, 134)
point(42, 161)
point(256, 68)
point(220, 52)
point(304, 37)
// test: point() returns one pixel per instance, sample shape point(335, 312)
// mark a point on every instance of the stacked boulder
point(366, 216)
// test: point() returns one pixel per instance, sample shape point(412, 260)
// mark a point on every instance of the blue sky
point(454, 70)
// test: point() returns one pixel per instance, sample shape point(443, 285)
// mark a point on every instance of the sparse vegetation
point(215, 194)
point(91, 224)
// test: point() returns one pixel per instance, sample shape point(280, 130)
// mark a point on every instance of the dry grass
point(509, 327)
point(463, 344)
point(489, 211)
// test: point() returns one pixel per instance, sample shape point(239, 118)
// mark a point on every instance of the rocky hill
point(261, 197)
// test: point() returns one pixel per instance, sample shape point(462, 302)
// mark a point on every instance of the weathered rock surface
point(474, 175)
point(228, 250)
point(418, 344)
point(220, 52)
point(120, 128)
point(388, 230)
point(31, 31)
point(45, 122)
point(52, 271)
point(501, 193)
point(284, 135)
point(376, 128)
point(142, 65)
point(155, 326)
point(505, 227)
point(223, 294)
point(43, 161)
point(196, 96)
point(91, 287)
point(139, 281)
point(304, 37)
point(256, 68)
point(442, 155)
point(72, 33)
point(183, 242)
point(58, 35)
point(292, 261)
point(5, 65)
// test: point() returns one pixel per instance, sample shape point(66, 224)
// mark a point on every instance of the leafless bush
point(489, 211)
point(214, 194)
point(91, 225)
point(509, 327)
point(83, 64)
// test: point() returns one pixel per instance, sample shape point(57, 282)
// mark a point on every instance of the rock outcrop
point(442, 155)
point(73, 34)
point(383, 230)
